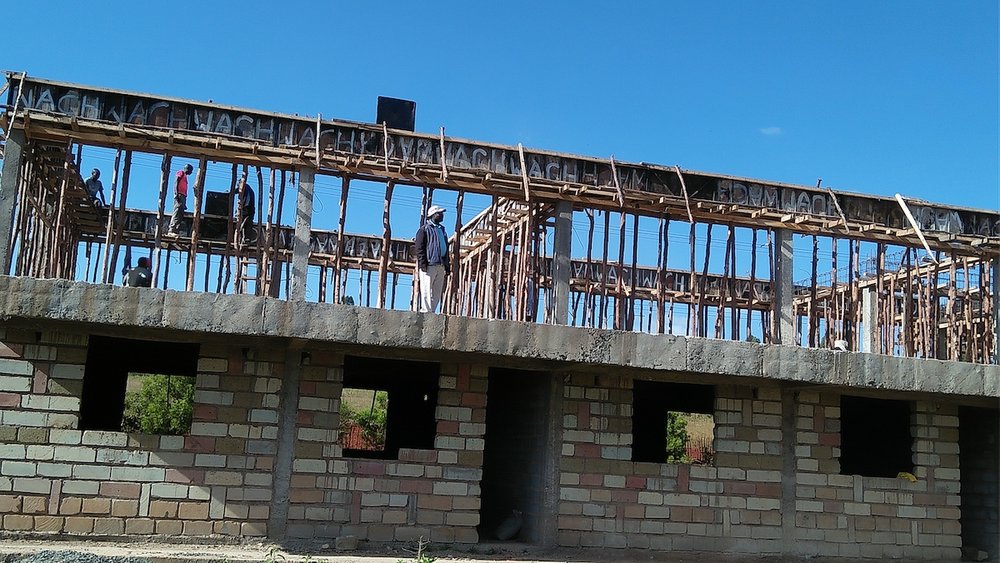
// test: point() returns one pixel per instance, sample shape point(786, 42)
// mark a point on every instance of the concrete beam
point(303, 226)
point(9, 180)
point(562, 249)
point(784, 287)
point(35, 301)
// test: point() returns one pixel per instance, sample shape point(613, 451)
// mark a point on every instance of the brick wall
point(736, 505)
point(56, 478)
point(608, 500)
point(432, 493)
point(856, 516)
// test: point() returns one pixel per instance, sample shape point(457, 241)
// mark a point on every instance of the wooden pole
point(752, 297)
point(811, 312)
point(267, 248)
point(345, 188)
point(383, 263)
point(164, 184)
point(692, 320)
point(199, 184)
point(703, 286)
point(110, 222)
point(455, 285)
point(223, 286)
point(952, 298)
point(273, 243)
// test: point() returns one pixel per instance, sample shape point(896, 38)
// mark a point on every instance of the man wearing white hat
point(431, 245)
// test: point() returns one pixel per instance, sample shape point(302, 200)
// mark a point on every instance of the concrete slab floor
point(13, 550)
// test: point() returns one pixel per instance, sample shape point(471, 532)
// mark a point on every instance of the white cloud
point(770, 131)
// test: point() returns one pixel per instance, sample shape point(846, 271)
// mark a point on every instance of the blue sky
point(873, 97)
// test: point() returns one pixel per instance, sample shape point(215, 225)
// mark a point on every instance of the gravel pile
point(69, 557)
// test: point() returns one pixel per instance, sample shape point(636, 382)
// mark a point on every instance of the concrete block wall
point(432, 493)
point(55, 478)
point(878, 517)
point(608, 500)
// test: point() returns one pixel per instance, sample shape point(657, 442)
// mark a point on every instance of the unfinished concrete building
point(835, 352)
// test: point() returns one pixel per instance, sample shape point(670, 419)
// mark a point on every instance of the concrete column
point(303, 226)
point(784, 286)
point(789, 462)
point(281, 473)
point(869, 316)
point(562, 248)
point(9, 180)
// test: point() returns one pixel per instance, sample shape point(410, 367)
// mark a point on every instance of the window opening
point(875, 438)
point(160, 373)
point(673, 423)
point(387, 405)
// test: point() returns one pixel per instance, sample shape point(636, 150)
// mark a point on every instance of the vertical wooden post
point(109, 229)
point(164, 184)
point(345, 187)
point(383, 263)
point(199, 184)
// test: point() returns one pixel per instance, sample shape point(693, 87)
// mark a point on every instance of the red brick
point(120, 490)
point(368, 468)
point(683, 477)
point(740, 488)
point(769, 490)
point(11, 350)
point(587, 450)
point(416, 486)
point(829, 439)
point(185, 476)
point(205, 412)
point(591, 479)
point(9, 399)
point(635, 482)
point(474, 400)
point(447, 427)
point(305, 418)
point(199, 444)
point(41, 381)
point(624, 497)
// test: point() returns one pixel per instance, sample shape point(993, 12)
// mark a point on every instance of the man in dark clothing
point(248, 208)
point(139, 276)
point(95, 190)
point(431, 246)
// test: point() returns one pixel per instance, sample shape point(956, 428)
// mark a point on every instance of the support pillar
point(869, 316)
point(784, 289)
point(281, 475)
point(303, 226)
point(995, 288)
point(9, 180)
point(562, 248)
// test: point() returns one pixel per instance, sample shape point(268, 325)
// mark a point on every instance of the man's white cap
point(435, 209)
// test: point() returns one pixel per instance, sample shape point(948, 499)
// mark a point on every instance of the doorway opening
point(519, 441)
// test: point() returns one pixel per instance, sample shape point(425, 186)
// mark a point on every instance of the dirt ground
point(14, 550)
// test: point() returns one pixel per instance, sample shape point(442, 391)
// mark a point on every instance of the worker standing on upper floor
point(431, 246)
point(180, 198)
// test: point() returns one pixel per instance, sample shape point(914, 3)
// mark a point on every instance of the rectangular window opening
point(139, 386)
point(387, 405)
point(673, 423)
point(875, 437)
point(157, 403)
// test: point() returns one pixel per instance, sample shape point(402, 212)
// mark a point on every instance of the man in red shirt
point(180, 198)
